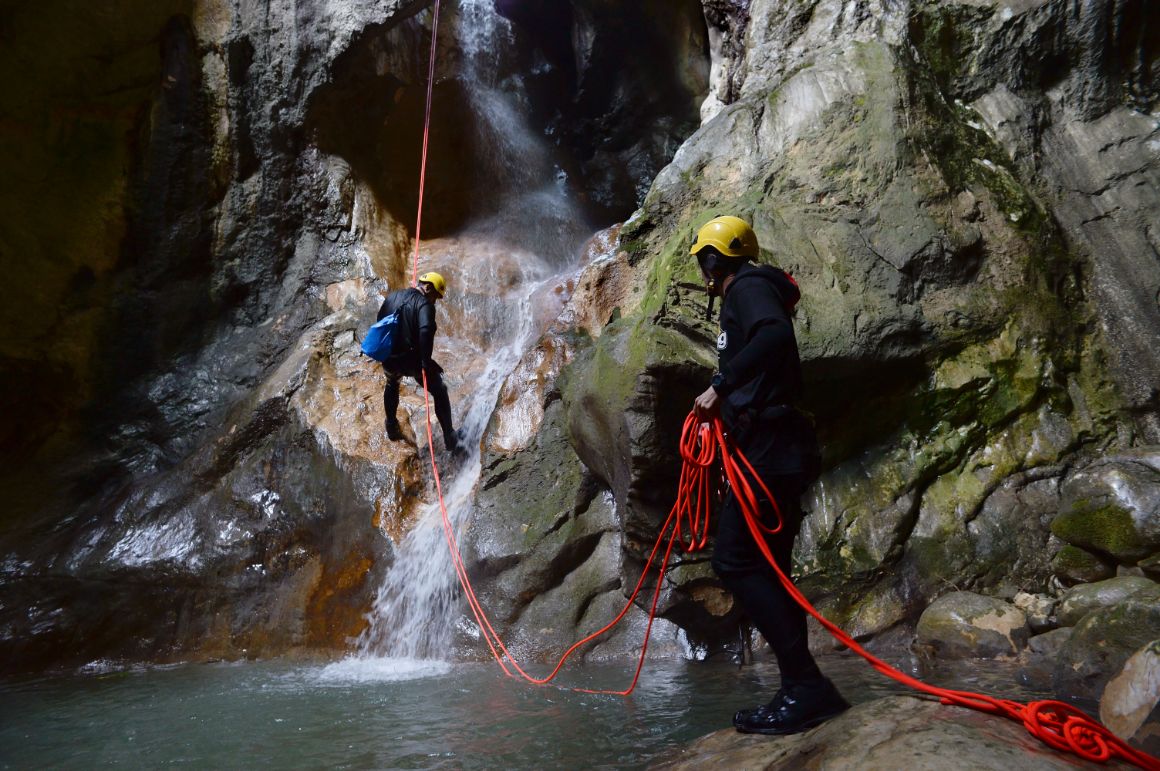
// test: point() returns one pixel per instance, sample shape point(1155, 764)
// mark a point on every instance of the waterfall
point(414, 614)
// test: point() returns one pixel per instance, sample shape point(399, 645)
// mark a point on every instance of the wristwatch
point(718, 383)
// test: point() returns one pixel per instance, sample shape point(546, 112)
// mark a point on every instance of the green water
point(284, 715)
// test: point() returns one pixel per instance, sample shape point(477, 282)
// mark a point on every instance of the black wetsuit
point(760, 380)
point(411, 355)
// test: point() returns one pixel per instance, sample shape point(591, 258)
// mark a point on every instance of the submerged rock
point(1037, 661)
point(968, 625)
point(890, 733)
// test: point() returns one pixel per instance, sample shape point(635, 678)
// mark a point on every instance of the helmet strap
point(716, 267)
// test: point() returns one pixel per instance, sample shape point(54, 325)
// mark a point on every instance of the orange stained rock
point(337, 607)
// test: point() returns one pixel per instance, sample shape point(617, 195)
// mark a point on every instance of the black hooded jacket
point(415, 342)
point(760, 377)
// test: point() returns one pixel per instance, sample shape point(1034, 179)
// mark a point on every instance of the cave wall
point(198, 468)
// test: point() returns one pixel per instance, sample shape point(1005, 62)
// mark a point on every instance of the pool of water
point(396, 714)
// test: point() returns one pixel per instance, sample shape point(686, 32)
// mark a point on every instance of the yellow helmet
point(436, 281)
point(731, 236)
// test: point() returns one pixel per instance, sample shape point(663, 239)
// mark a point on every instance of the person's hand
point(707, 406)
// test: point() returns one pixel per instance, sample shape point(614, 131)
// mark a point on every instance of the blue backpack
point(380, 337)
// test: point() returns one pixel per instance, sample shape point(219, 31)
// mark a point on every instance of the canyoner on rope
point(412, 346)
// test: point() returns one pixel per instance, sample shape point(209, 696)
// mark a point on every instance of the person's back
point(410, 303)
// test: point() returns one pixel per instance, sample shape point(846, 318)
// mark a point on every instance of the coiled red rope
point(1055, 723)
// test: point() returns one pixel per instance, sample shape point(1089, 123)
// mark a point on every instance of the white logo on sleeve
point(722, 341)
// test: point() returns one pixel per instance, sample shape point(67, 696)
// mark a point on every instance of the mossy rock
point(1113, 507)
point(1079, 566)
point(1078, 601)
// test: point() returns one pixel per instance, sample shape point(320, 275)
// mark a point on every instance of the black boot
point(394, 430)
point(453, 441)
point(795, 708)
point(742, 715)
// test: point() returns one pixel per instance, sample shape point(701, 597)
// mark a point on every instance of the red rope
point(426, 141)
point(1057, 724)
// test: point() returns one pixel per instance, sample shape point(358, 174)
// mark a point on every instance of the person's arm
point(426, 332)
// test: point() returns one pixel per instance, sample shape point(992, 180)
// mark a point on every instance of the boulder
point(1075, 565)
point(1102, 642)
point(1113, 507)
point(969, 625)
point(1130, 706)
point(1080, 600)
point(885, 734)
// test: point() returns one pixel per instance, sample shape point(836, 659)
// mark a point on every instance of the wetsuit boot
point(394, 430)
point(453, 441)
point(798, 706)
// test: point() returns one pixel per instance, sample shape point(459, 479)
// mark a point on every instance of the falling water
point(413, 618)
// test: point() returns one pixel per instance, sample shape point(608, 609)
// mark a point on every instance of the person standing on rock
point(411, 354)
point(754, 391)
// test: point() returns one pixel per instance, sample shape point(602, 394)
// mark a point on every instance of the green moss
point(1101, 527)
point(945, 35)
point(1081, 566)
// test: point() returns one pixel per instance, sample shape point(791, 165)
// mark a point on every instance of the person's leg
point(438, 391)
point(806, 697)
point(391, 405)
point(745, 572)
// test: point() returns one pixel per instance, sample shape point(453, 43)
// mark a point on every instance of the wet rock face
point(74, 118)
point(621, 91)
point(965, 191)
point(257, 184)
point(201, 468)
point(1067, 92)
